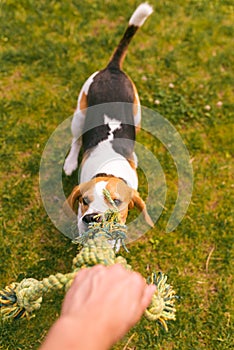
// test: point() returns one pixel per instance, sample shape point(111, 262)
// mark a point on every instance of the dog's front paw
point(70, 165)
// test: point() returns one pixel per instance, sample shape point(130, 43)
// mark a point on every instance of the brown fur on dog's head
point(124, 197)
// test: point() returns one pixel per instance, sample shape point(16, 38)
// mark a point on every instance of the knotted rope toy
point(20, 300)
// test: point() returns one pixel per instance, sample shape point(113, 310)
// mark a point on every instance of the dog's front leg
point(71, 162)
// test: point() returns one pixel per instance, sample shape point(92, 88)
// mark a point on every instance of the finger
point(81, 274)
point(82, 286)
point(141, 294)
point(148, 295)
point(139, 282)
point(86, 273)
point(118, 269)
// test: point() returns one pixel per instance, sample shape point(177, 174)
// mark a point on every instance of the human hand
point(108, 300)
point(102, 304)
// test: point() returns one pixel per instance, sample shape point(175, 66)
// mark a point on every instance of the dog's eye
point(117, 202)
point(85, 201)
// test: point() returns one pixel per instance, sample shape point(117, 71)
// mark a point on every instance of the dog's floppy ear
point(71, 200)
point(140, 204)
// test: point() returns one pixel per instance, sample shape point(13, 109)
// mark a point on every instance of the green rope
point(20, 300)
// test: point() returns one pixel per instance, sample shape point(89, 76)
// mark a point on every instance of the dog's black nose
point(95, 217)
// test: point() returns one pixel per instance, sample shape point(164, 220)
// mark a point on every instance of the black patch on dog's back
point(110, 94)
point(110, 85)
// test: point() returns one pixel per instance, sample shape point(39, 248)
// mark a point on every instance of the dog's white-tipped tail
point(139, 16)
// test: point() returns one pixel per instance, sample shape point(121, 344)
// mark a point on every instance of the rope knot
point(162, 307)
point(27, 295)
point(95, 251)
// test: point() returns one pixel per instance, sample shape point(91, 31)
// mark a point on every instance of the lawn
point(182, 64)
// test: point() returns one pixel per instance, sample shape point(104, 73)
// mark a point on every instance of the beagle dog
point(105, 123)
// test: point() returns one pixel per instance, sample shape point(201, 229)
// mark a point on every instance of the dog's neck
point(104, 159)
point(107, 175)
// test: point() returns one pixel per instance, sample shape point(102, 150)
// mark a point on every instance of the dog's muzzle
point(94, 217)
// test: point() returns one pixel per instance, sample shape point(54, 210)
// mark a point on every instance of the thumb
point(148, 295)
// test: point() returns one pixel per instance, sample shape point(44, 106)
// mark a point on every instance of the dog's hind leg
point(136, 109)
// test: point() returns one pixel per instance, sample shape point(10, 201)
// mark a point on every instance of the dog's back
point(112, 94)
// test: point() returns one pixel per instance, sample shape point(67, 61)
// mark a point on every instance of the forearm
point(67, 334)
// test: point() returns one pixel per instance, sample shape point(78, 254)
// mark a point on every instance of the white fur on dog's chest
point(103, 159)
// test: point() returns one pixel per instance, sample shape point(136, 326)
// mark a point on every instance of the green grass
point(48, 49)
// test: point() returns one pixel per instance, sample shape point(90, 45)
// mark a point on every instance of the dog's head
point(92, 201)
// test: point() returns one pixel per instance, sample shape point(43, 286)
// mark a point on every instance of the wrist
point(75, 333)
